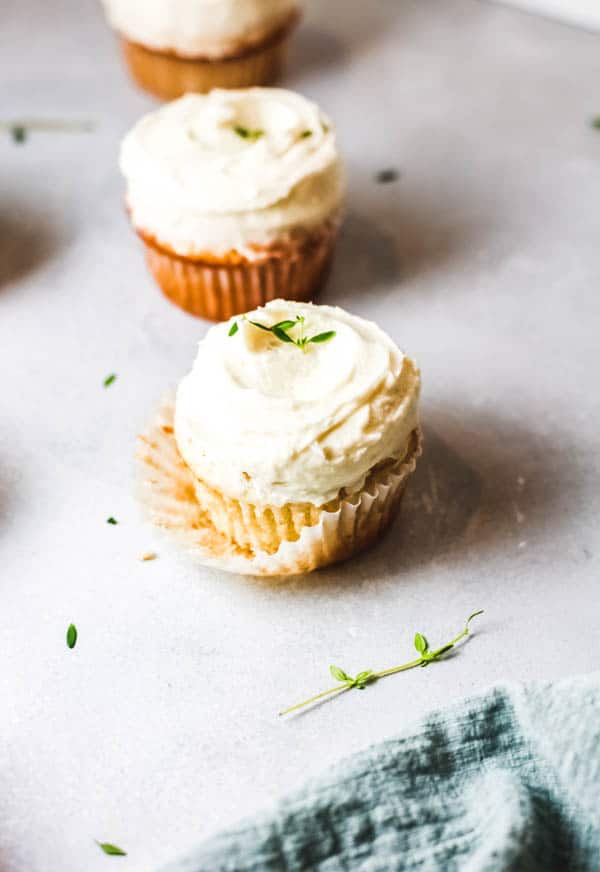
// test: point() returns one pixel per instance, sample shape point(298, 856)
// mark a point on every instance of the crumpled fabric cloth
point(509, 780)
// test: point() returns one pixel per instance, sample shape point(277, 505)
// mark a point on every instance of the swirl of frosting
point(199, 28)
point(231, 168)
point(268, 423)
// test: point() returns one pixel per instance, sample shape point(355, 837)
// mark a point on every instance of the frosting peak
point(267, 422)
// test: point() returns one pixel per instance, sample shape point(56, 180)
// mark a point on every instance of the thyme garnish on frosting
point(245, 133)
point(360, 681)
point(281, 331)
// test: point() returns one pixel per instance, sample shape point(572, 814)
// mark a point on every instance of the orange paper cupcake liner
point(167, 75)
point(169, 494)
point(219, 290)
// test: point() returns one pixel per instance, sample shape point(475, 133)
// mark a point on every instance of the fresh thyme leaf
point(245, 133)
point(421, 643)
point(112, 850)
point(258, 324)
point(109, 380)
point(111, 520)
point(383, 177)
point(280, 333)
point(285, 325)
point(18, 133)
point(426, 656)
point(233, 329)
point(596, 122)
point(322, 337)
point(71, 636)
point(339, 674)
point(305, 134)
point(364, 678)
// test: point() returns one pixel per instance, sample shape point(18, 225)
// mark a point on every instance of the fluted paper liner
point(218, 291)
point(167, 491)
point(168, 76)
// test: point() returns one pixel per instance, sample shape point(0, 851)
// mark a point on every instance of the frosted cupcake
point(237, 196)
point(173, 47)
point(292, 440)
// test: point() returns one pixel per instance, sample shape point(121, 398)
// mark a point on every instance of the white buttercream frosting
point(230, 170)
point(267, 423)
point(199, 28)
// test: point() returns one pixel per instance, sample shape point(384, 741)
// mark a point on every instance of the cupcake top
point(199, 28)
point(230, 169)
point(271, 421)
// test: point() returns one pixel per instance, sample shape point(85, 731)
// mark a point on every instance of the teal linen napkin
point(509, 780)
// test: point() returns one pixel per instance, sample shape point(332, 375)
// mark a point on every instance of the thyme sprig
point(362, 679)
point(282, 329)
point(20, 129)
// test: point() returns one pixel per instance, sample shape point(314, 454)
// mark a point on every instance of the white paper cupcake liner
point(167, 493)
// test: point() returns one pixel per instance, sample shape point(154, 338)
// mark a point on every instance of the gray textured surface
point(483, 260)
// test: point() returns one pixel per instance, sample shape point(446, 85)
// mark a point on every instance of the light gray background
point(483, 261)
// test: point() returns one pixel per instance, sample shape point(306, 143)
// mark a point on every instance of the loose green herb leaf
point(71, 636)
point(233, 329)
point(109, 380)
point(282, 328)
point(383, 177)
point(305, 134)
point(112, 850)
point(426, 656)
point(245, 133)
point(596, 122)
point(323, 337)
point(18, 133)
point(111, 520)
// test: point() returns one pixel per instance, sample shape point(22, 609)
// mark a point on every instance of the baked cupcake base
point(218, 289)
point(168, 492)
point(167, 75)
